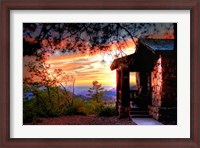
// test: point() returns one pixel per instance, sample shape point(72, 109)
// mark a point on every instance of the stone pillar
point(125, 94)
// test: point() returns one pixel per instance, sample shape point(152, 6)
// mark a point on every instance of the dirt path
point(84, 120)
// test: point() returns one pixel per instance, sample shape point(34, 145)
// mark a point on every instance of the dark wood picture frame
point(8, 5)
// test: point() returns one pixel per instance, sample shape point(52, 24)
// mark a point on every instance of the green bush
point(45, 105)
point(80, 107)
point(107, 111)
point(91, 107)
point(28, 113)
point(74, 108)
point(60, 103)
point(71, 110)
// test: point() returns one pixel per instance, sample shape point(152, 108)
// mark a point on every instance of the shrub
point(91, 107)
point(80, 107)
point(107, 111)
point(71, 110)
point(28, 113)
point(74, 109)
point(41, 105)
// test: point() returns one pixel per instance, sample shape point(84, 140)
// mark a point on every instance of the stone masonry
point(164, 87)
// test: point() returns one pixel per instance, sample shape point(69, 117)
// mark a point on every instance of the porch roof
point(145, 56)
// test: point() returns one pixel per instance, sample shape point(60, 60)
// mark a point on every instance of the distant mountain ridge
point(110, 93)
point(82, 91)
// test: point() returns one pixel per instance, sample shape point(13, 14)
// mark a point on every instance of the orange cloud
point(87, 70)
point(87, 67)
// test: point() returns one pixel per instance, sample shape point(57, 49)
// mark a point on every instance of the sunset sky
point(88, 68)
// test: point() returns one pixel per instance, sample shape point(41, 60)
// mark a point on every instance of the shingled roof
point(145, 56)
point(159, 44)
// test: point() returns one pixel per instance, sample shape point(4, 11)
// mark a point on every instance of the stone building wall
point(169, 95)
point(156, 80)
point(164, 87)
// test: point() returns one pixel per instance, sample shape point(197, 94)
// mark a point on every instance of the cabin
point(154, 64)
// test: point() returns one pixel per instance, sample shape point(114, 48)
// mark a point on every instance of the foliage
point(42, 74)
point(51, 100)
point(107, 111)
point(80, 107)
point(76, 37)
point(43, 106)
point(74, 108)
point(96, 92)
point(50, 96)
point(29, 110)
point(87, 38)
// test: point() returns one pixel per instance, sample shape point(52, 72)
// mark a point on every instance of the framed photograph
point(99, 74)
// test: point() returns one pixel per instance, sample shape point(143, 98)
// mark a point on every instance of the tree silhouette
point(86, 38)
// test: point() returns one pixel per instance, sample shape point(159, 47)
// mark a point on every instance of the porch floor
point(141, 116)
point(146, 121)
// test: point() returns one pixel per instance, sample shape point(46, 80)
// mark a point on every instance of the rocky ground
point(83, 120)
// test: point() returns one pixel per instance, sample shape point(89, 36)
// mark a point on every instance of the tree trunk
point(48, 91)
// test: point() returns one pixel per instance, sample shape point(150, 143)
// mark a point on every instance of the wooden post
point(125, 94)
point(143, 82)
point(118, 75)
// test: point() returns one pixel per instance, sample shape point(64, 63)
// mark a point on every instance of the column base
point(124, 112)
point(163, 113)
